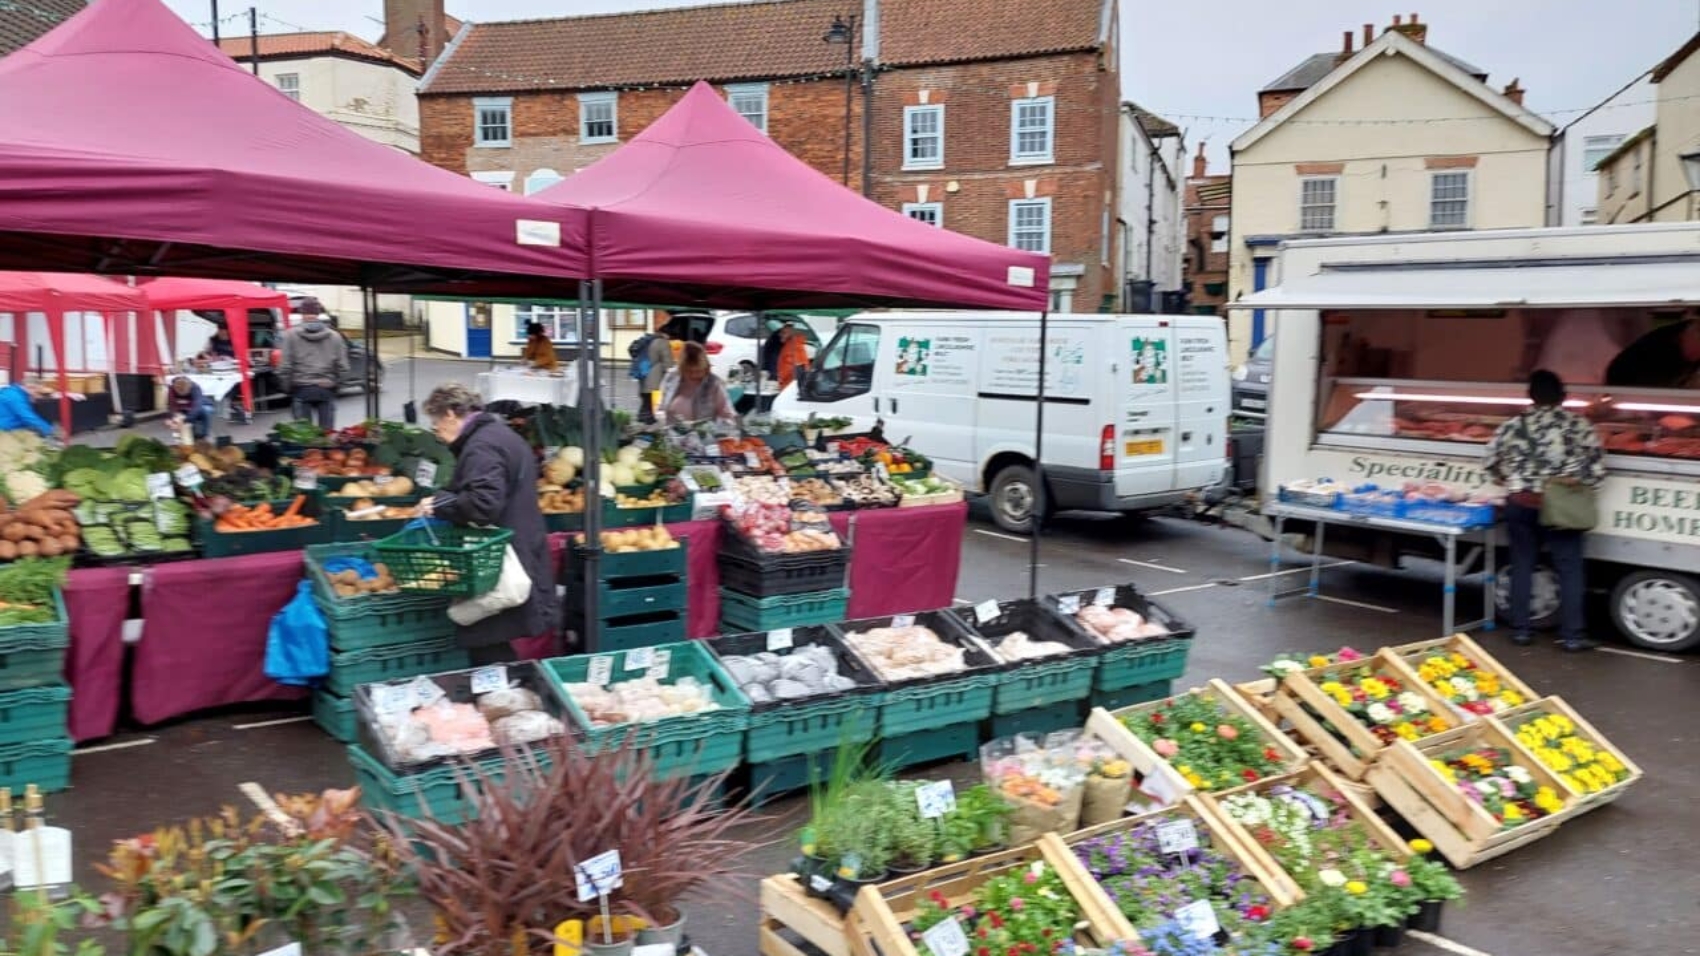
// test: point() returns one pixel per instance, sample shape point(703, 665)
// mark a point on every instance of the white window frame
point(505, 104)
point(910, 137)
point(931, 213)
point(1332, 205)
point(1590, 216)
point(588, 100)
point(292, 89)
point(738, 91)
point(1603, 146)
point(1033, 157)
point(1015, 207)
point(1219, 233)
point(541, 179)
point(501, 180)
point(559, 320)
point(1434, 180)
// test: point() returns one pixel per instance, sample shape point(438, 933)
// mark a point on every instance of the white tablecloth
point(530, 387)
point(215, 385)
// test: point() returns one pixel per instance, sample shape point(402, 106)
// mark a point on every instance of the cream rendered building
point(1395, 137)
point(1655, 175)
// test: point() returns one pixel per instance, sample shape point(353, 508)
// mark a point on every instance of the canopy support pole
point(56, 336)
point(590, 417)
point(369, 334)
point(1038, 460)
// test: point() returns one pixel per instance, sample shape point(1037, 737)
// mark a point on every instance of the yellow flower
point(1460, 661)
point(1317, 660)
point(1511, 698)
point(1375, 688)
point(1512, 812)
point(1406, 731)
point(1357, 887)
point(1609, 763)
point(1563, 723)
point(1420, 845)
point(1197, 728)
point(1446, 773)
point(1548, 801)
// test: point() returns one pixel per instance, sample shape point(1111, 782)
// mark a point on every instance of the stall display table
point(529, 387)
point(1479, 541)
point(88, 412)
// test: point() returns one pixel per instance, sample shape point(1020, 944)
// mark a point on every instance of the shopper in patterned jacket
point(1545, 445)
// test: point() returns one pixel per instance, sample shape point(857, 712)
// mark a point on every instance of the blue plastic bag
point(298, 646)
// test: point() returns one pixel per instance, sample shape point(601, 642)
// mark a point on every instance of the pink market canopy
point(703, 209)
point(131, 145)
point(234, 299)
point(52, 295)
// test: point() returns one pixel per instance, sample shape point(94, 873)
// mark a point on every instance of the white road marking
point(1195, 587)
point(126, 745)
point(274, 723)
point(1276, 574)
point(1441, 942)
point(1367, 607)
point(999, 534)
point(1644, 655)
point(1153, 567)
point(963, 601)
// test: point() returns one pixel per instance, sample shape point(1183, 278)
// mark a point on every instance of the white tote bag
point(512, 589)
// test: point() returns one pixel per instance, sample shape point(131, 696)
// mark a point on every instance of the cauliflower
point(21, 486)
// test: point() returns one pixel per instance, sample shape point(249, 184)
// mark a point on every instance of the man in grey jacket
point(315, 361)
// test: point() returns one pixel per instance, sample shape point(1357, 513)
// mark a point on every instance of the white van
point(1136, 406)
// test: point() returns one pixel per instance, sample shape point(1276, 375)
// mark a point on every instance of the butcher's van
point(1396, 358)
point(1136, 406)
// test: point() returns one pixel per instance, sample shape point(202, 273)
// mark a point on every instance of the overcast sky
point(1192, 60)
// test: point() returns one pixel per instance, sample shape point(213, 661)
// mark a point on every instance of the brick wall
point(1203, 266)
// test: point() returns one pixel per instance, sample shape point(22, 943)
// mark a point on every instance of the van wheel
point(1543, 596)
point(1014, 494)
point(1659, 610)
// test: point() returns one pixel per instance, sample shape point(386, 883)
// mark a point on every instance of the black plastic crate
point(850, 664)
point(1039, 622)
point(1125, 595)
point(458, 686)
point(775, 574)
point(978, 659)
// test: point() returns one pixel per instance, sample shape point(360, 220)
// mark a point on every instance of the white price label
point(189, 477)
point(1199, 919)
point(663, 666)
point(426, 474)
point(819, 883)
point(1162, 788)
point(1177, 836)
point(381, 480)
point(640, 658)
point(1069, 604)
point(935, 799)
point(752, 459)
point(833, 448)
point(779, 640)
point(987, 611)
point(391, 699)
point(1105, 597)
point(306, 479)
point(946, 939)
point(599, 875)
point(293, 949)
point(487, 680)
point(903, 620)
point(600, 670)
point(159, 485)
point(690, 481)
point(426, 692)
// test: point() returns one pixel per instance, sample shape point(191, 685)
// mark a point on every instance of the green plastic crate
point(224, 544)
point(445, 559)
point(45, 763)
point(950, 742)
point(1128, 696)
point(915, 708)
point(638, 564)
point(34, 713)
point(1128, 665)
point(21, 669)
point(644, 630)
point(350, 670)
point(54, 635)
point(390, 629)
point(1045, 681)
point(1035, 682)
point(686, 745)
point(769, 780)
point(335, 716)
point(741, 612)
point(1067, 715)
point(616, 517)
point(624, 596)
point(784, 728)
point(564, 521)
point(440, 791)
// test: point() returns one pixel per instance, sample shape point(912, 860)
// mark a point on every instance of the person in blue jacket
point(17, 410)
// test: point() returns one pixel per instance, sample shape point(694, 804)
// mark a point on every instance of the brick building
point(1208, 200)
point(994, 119)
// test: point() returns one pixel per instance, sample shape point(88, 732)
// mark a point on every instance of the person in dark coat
point(494, 484)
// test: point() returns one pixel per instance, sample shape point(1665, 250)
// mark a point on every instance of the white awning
point(1435, 286)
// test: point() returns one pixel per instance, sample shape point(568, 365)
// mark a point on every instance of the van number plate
point(1152, 446)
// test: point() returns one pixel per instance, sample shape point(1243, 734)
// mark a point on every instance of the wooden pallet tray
point(1316, 779)
point(876, 925)
point(1160, 780)
point(1463, 831)
point(1347, 745)
point(1511, 719)
point(1407, 658)
point(787, 907)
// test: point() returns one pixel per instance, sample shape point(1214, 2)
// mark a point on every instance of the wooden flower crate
point(1510, 720)
point(1406, 658)
point(1318, 779)
point(1462, 830)
point(788, 910)
point(1347, 745)
point(1160, 780)
point(876, 925)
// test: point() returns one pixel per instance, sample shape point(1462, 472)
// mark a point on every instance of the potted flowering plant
point(1211, 747)
point(1027, 911)
point(1148, 885)
point(1287, 663)
point(1488, 777)
point(1432, 885)
point(1383, 704)
point(1466, 686)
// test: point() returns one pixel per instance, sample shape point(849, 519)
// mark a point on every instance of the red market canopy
point(765, 230)
point(54, 294)
point(234, 299)
point(131, 145)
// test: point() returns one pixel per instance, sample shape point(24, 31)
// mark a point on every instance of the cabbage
point(572, 455)
point(126, 484)
point(84, 481)
point(621, 474)
point(629, 455)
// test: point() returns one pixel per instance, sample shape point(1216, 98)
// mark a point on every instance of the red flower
point(982, 932)
point(1046, 932)
point(1270, 753)
point(1392, 682)
point(1250, 775)
point(982, 951)
point(1257, 914)
point(996, 920)
point(1157, 718)
point(938, 898)
point(1303, 944)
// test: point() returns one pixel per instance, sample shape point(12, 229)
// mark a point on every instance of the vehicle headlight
point(1240, 373)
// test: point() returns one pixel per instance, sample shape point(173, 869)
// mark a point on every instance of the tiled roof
point(284, 46)
point(1310, 72)
point(1156, 126)
point(21, 23)
point(748, 41)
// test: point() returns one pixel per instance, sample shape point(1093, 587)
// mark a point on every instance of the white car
point(734, 347)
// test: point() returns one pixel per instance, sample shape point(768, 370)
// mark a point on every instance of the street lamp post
point(843, 30)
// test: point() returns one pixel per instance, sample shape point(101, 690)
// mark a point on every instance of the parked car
point(734, 347)
point(1251, 381)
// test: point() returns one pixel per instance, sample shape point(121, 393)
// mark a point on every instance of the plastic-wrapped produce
point(504, 703)
point(785, 689)
point(807, 671)
point(525, 727)
point(905, 653)
point(642, 699)
point(1017, 646)
point(758, 693)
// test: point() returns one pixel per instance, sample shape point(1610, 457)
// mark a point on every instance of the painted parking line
point(1441, 942)
point(999, 534)
point(1194, 587)
point(1644, 655)
point(1362, 604)
point(274, 723)
point(103, 748)
point(1305, 570)
point(1150, 566)
point(962, 601)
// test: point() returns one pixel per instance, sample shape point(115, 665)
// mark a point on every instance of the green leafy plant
point(988, 813)
point(914, 839)
point(37, 925)
point(1431, 881)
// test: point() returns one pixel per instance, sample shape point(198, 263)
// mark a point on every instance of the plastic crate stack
point(642, 597)
point(35, 704)
point(761, 591)
point(375, 637)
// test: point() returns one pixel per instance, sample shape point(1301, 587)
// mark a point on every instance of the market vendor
point(494, 485)
point(693, 393)
point(539, 349)
point(17, 408)
point(793, 358)
point(221, 345)
point(1667, 357)
point(187, 403)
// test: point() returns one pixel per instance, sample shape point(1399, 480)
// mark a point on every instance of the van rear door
point(1202, 399)
point(1145, 373)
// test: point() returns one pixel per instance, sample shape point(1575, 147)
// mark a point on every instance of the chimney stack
point(1200, 165)
point(1416, 31)
point(415, 28)
point(1514, 92)
point(1369, 34)
point(1345, 48)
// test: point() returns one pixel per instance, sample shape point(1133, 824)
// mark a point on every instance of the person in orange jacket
point(793, 354)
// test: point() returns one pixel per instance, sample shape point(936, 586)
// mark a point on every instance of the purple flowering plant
point(1148, 886)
